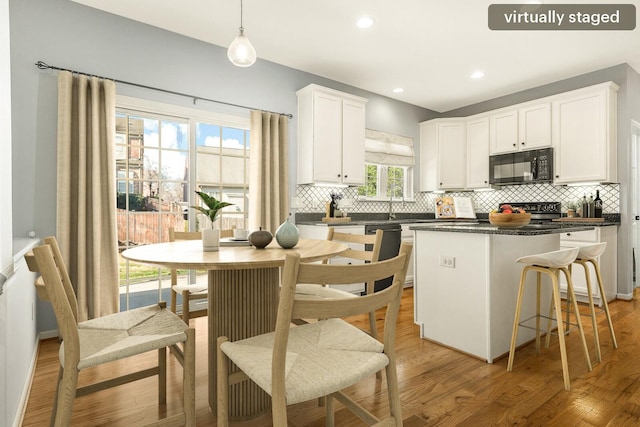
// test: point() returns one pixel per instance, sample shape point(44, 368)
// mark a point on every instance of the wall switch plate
point(447, 261)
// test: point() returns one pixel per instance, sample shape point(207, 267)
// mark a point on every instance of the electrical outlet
point(448, 261)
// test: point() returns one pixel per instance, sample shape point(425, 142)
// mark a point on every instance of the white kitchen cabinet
point(524, 128)
point(443, 154)
point(608, 263)
point(478, 153)
point(331, 132)
point(504, 131)
point(584, 135)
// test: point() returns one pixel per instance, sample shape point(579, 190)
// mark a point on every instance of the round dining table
point(243, 298)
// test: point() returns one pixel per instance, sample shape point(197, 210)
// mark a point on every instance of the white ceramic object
point(240, 234)
point(210, 239)
point(561, 258)
point(287, 235)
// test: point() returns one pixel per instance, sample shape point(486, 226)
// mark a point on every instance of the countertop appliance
point(391, 240)
point(522, 167)
point(541, 212)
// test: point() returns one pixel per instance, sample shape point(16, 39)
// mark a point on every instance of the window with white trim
point(164, 154)
point(389, 161)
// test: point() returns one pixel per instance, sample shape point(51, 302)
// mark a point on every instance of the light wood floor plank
point(439, 386)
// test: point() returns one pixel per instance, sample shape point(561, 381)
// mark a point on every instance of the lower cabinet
point(608, 263)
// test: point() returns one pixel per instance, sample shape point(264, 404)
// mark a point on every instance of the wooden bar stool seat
point(589, 255)
point(550, 263)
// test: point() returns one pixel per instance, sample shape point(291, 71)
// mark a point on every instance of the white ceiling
point(428, 47)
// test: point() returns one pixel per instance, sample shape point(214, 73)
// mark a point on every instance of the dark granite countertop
point(428, 218)
point(486, 228)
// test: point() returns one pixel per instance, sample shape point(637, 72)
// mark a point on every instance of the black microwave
point(522, 167)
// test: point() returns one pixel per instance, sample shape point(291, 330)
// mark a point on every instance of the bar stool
point(550, 263)
point(589, 255)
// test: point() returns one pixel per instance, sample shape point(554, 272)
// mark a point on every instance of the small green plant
point(214, 206)
point(573, 205)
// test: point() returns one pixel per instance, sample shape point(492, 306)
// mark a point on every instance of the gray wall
point(69, 35)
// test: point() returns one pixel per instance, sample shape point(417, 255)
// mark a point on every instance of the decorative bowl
point(509, 220)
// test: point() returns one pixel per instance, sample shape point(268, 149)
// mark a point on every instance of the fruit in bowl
point(508, 216)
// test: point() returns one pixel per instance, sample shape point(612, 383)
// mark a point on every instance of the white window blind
point(386, 149)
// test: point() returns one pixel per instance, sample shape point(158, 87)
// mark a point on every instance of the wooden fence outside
point(153, 227)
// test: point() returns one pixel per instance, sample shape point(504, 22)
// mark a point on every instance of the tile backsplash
point(313, 198)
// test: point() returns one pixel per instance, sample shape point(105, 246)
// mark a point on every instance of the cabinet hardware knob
point(568, 234)
point(514, 145)
point(440, 183)
point(557, 176)
point(485, 182)
point(522, 143)
point(338, 175)
point(346, 176)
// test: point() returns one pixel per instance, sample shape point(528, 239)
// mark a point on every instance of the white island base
point(466, 285)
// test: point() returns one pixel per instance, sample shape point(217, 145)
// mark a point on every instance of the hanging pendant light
point(241, 52)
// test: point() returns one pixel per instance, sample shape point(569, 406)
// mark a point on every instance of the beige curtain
point(268, 183)
point(86, 222)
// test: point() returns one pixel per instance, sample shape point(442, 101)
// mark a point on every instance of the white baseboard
point(48, 334)
point(26, 390)
point(626, 297)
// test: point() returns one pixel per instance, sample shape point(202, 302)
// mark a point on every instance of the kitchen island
point(466, 282)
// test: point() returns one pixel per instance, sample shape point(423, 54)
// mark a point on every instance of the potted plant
point(210, 236)
point(572, 208)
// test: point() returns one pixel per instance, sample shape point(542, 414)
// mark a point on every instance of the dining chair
point(109, 338)
point(296, 364)
point(358, 253)
point(189, 291)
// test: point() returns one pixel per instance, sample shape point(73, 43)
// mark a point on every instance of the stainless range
point(541, 212)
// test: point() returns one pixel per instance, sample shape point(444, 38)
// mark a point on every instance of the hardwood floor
point(438, 386)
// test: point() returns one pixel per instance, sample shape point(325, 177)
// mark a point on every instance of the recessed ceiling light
point(477, 75)
point(398, 90)
point(365, 22)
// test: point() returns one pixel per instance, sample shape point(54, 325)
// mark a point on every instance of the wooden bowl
point(509, 220)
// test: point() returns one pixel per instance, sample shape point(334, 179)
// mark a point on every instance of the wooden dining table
point(243, 298)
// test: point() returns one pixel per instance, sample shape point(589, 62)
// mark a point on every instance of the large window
point(163, 155)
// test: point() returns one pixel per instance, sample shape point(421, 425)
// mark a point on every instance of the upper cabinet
point(584, 135)
point(478, 152)
point(443, 154)
point(523, 128)
point(331, 132)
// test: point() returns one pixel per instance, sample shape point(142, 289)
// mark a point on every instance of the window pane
point(233, 138)
point(174, 135)
point(395, 181)
point(370, 187)
point(207, 135)
point(174, 165)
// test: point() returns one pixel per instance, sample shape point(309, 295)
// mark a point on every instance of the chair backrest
point(177, 236)
point(360, 254)
point(64, 275)
point(295, 272)
point(359, 239)
point(54, 279)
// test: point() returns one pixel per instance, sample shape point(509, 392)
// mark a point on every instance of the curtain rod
point(43, 66)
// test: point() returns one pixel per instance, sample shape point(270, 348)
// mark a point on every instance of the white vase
point(210, 239)
point(287, 235)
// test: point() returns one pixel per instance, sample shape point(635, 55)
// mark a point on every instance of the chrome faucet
point(392, 215)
